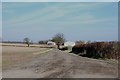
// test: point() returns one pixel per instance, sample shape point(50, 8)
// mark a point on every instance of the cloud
point(54, 12)
point(81, 20)
point(54, 17)
point(89, 20)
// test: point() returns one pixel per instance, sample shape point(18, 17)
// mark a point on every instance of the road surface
point(58, 64)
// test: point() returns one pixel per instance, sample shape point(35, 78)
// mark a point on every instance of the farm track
point(58, 64)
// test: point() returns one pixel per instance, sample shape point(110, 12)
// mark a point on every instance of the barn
point(51, 43)
point(69, 43)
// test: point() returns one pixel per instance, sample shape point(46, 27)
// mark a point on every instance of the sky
point(60, 0)
point(0, 20)
point(94, 21)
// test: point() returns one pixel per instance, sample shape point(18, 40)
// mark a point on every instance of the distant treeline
point(12, 42)
point(23, 42)
point(43, 41)
point(103, 50)
point(16, 42)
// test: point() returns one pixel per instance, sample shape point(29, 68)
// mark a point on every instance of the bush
point(97, 50)
point(64, 48)
point(78, 49)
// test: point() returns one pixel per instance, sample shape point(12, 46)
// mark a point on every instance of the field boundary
point(25, 45)
point(42, 52)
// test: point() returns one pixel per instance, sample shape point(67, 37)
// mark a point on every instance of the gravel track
point(58, 64)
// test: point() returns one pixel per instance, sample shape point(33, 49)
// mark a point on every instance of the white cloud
point(54, 16)
point(51, 12)
point(81, 20)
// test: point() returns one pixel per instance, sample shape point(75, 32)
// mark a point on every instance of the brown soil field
point(53, 64)
point(25, 45)
point(15, 55)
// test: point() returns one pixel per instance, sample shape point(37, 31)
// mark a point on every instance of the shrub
point(98, 50)
point(78, 49)
point(64, 48)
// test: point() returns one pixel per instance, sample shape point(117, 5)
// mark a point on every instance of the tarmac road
point(58, 64)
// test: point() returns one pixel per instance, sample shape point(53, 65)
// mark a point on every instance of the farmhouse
point(51, 43)
point(69, 43)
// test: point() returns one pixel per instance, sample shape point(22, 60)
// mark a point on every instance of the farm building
point(69, 43)
point(51, 43)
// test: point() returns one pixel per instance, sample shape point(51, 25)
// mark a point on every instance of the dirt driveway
point(58, 64)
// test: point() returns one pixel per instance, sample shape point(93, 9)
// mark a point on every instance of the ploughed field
point(34, 62)
point(16, 55)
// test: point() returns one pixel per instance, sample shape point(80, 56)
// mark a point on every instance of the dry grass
point(31, 45)
point(15, 55)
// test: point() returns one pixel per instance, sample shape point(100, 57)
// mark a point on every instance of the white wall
point(69, 43)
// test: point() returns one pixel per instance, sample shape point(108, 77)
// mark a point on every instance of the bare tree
point(27, 41)
point(59, 39)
